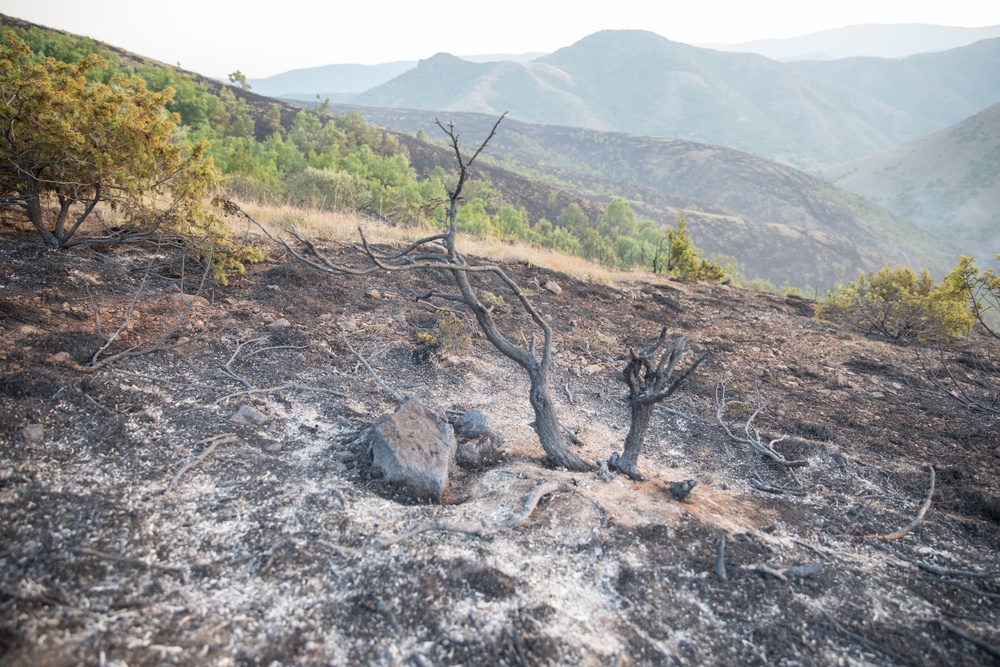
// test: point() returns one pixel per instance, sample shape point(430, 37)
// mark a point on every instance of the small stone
point(592, 369)
point(552, 286)
point(472, 425)
point(32, 433)
point(279, 324)
point(471, 454)
point(374, 294)
point(274, 447)
point(681, 490)
point(877, 394)
point(248, 416)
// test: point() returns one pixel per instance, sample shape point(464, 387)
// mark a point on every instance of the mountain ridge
point(641, 83)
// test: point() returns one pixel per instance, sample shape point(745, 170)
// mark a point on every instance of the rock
point(472, 425)
point(415, 448)
point(681, 490)
point(191, 300)
point(374, 294)
point(279, 324)
point(552, 286)
point(32, 433)
point(249, 416)
point(473, 454)
point(592, 369)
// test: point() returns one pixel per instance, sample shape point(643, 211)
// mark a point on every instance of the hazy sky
point(215, 37)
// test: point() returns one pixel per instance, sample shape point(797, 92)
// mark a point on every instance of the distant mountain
point(342, 82)
point(638, 82)
point(947, 182)
point(897, 40)
point(942, 87)
point(779, 223)
point(329, 79)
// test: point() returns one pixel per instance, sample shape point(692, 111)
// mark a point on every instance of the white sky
point(214, 37)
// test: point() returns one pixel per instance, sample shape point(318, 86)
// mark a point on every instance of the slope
point(779, 223)
point(941, 87)
point(947, 182)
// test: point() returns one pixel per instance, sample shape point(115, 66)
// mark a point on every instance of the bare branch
point(901, 533)
point(753, 438)
point(396, 395)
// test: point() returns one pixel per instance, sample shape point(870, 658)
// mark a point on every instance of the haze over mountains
point(897, 40)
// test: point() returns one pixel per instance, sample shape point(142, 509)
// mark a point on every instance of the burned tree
point(650, 382)
point(439, 252)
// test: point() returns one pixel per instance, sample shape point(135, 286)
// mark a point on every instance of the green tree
point(238, 78)
point(618, 220)
point(678, 255)
point(899, 303)
point(69, 145)
point(980, 289)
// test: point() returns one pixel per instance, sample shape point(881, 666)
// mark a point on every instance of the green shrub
point(899, 304)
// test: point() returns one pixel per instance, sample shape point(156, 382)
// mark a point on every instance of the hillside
point(947, 182)
point(149, 521)
point(944, 88)
point(780, 224)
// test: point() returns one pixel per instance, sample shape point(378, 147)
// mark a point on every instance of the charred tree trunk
point(548, 429)
point(628, 461)
point(648, 385)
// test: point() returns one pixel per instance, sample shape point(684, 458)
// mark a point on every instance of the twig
point(720, 559)
point(479, 530)
point(569, 394)
point(764, 569)
point(146, 565)
point(753, 438)
point(136, 350)
point(989, 648)
point(759, 484)
point(875, 646)
point(269, 390)
point(224, 439)
point(277, 347)
point(971, 589)
point(899, 534)
point(941, 572)
point(529, 505)
point(392, 392)
point(227, 367)
point(100, 407)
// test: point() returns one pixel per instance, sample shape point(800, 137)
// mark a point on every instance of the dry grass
point(343, 228)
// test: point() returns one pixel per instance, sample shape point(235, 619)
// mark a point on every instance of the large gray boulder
point(415, 448)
